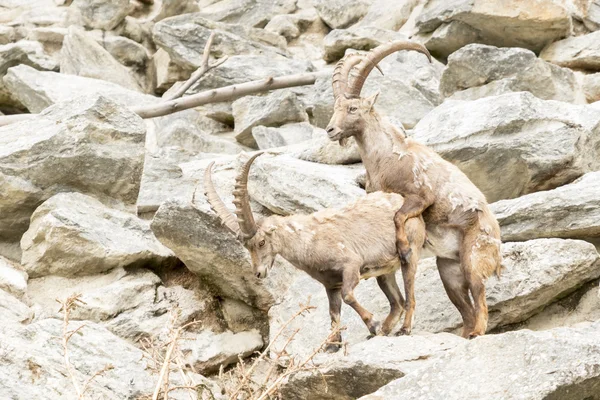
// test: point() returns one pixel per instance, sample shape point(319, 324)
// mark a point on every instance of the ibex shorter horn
point(337, 247)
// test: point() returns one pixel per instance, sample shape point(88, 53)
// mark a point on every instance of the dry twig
point(204, 68)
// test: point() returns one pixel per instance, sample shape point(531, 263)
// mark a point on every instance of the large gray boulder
point(453, 24)
point(367, 366)
point(100, 238)
point(274, 109)
point(101, 148)
point(341, 14)
point(536, 273)
point(478, 70)
point(82, 56)
point(409, 89)
point(102, 14)
point(229, 39)
point(388, 14)
point(581, 52)
point(37, 90)
point(569, 211)
point(358, 38)
point(91, 350)
point(286, 185)
point(556, 364)
point(288, 134)
point(514, 144)
point(253, 13)
point(24, 52)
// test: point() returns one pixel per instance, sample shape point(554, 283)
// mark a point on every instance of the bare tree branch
point(204, 68)
point(225, 93)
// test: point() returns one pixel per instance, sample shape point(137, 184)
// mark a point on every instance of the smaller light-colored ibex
point(461, 229)
point(337, 247)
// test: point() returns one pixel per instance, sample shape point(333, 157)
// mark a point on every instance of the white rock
point(514, 144)
point(367, 366)
point(167, 72)
point(13, 310)
point(254, 13)
point(388, 14)
point(101, 147)
point(275, 109)
point(99, 238)
point(169, 8)
point(209, 351)
point(591, 87)
point(12, 280)
point(341, 14)
point(324, 151)
point(102, 14)
point(359, 38)
point(82, 56)
point(569, 211)
point(531, 25)
point(559, 363)
point(229, 39)
point(581, 52)
point(477, 71)
point(91, 350)
point(285, 135)
point(24, 52)
point(286, 185)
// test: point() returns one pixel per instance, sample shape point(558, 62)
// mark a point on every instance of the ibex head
point(255, 236)
point(351, 112)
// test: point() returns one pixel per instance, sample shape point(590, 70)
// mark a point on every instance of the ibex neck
point(290, 235)
point(378, 141)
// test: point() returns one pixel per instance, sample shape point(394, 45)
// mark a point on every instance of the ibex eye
point(261, 243)
point(352, 110)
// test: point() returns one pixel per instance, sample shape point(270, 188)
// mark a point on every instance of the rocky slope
point(100, 204)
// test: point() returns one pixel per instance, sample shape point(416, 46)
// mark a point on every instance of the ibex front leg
point(335, 309)
point(413, 206)
point(351, 279)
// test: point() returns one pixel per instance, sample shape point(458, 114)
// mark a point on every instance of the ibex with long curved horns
point(461, 230)
point(336, 247)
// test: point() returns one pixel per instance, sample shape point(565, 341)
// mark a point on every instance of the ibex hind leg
point(457, 288)
point(351, 280)
point(390, 288)
point(412, 207)
point(415, 229)
point(335, 309)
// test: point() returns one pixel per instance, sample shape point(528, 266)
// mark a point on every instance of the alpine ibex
point(461, 230)
point(336, 247)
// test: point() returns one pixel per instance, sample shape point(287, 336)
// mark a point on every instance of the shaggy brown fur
point(461, 230)
point(338, 247)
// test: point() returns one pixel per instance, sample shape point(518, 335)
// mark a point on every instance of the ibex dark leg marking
point(457, 288)
point(413, 206)
point(390, 288)
point(335, 308)
point(351, 279)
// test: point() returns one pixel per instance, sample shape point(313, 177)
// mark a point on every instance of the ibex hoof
point(332, 348)
point(404, 332)
point(374, 328)
point(473, 335)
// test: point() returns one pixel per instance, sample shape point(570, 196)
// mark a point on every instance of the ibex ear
point(371, 100)
point(270, 229)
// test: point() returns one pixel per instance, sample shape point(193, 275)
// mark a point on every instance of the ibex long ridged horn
point(341, 73)
point(371, 60)
point(242, 201)
point(227, 217)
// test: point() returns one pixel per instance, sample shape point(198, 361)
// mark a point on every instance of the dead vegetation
point(259, 379)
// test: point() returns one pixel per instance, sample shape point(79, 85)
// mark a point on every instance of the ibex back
point(461, 230)
point(337, 247)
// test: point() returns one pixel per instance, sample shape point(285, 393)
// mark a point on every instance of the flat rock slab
point(98, 237)
point(569, 211)
point(561, 363)
point(367, 366)
point(580, 52)
point(101, 148)
point(515, 143)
